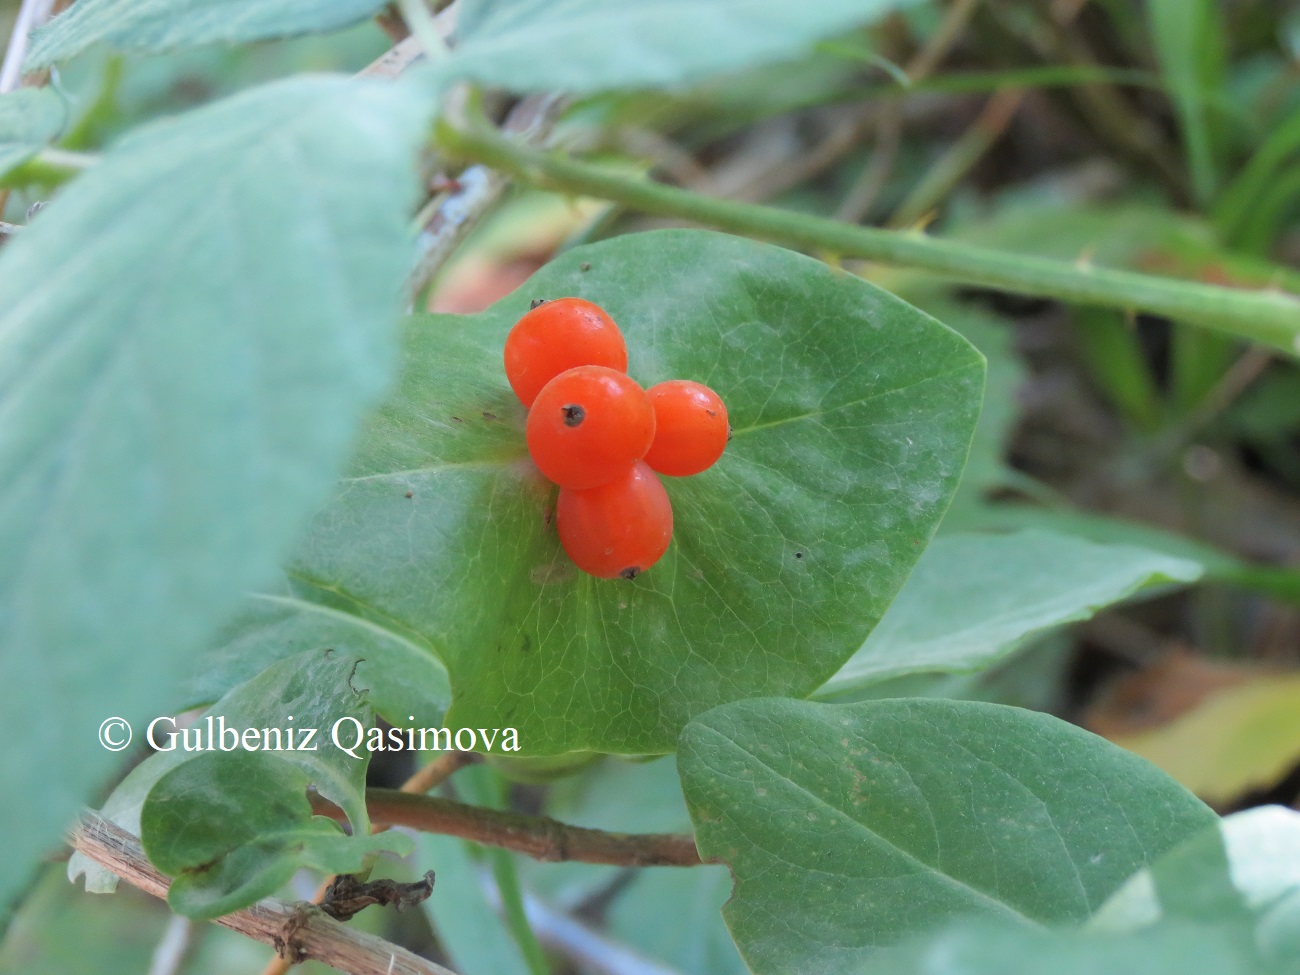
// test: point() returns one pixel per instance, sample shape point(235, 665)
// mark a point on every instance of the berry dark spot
point(457, 419)
point(584, 266)
point(489, 416)
point(410, 494)
point(711, 412)
point(798, 555)
point(630, 573)
point(573, 414)
point(536, 303)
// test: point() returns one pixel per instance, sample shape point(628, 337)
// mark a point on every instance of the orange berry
point(691, 428)
point(619, 529)
point(588, 425)
point(556, 336)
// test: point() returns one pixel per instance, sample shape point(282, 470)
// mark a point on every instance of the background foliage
point(1015, 277)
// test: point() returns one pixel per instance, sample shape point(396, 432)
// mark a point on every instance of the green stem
point(1270, 317)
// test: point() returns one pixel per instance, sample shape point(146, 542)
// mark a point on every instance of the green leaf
point(674, 915)
point(312, 689)
point(1244, 869)
point(861, 824)
point(29, 119)
point(595, 45)
point(992, 335)
point(470, 930)
point(852, 412)
point(157, 25)
point(1188, 37)
point(1281, 582)
point(1251, 858)
point(995, 591)
point(991, 949)
point(407, 683)
point(233, 828)
point(1250, 187)
point(190, 332)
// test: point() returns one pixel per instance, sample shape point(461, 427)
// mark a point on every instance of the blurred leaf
point(990, 949)
point(407, 683)
point(232, 828)
point(156, 25)
point(594, 45)
point(1113, 354)
point(314, 688)
point(1244, 195)
point(861, 824)
point(1131, 235)
point(58, 930)
point(481, 786)
point(1242, 737)
point(469, 928)
point(1188, 37)
point(29, 119)
point(191, 331)
point(1244, 869)
point(674, 915)
point(853, 414)
point(1280, 582)
point(973, 598)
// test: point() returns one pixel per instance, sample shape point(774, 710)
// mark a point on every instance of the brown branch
point(429, 777)
point(298, 930)
point(539, 837)
point(425, 778)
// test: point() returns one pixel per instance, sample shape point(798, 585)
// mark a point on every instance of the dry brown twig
point(298, 930)
point(425, 778)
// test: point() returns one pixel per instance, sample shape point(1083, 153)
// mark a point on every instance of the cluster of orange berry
point(598, 435)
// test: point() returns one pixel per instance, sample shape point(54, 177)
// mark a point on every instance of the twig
point(960, 158)
point(447, 219)
point(1269, 316)
point(31, 15)
point(539, 837)
point(428, 777)
point(420, 22)
point(297, 930)
point(589, 950)
point(393, 62)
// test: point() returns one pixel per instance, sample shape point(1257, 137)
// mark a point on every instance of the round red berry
point(619, 529)
point(691, 428)
point(560, 335)
point(588, 425)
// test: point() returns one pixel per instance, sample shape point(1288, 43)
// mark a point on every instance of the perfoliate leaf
point(852, 412)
